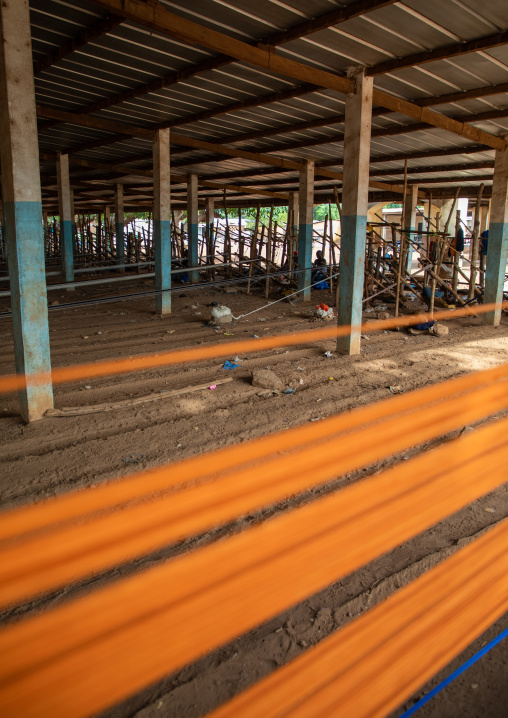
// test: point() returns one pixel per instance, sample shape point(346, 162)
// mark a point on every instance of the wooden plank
point(127, 403)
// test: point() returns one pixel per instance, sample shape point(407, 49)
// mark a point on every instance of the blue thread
point(455, 674)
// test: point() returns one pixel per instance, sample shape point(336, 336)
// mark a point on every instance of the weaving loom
point(74, 660)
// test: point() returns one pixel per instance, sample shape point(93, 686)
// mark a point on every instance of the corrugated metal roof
point(131, 55)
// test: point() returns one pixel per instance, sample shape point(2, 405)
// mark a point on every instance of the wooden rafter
point(101, 27)
point(334, 17)
point(159, 18)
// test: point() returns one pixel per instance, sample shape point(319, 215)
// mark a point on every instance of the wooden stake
point(475, 260)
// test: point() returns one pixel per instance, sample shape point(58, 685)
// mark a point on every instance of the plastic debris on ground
point(212, 387)
point(396, 389)
point(323, 311)
point(229, 365)
point(290, 391)
point(328, 354)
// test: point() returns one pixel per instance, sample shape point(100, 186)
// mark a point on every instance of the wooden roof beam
point(125, 170)
point(334, 17)
point(157, 17)
point(390, 131)
point(299, 91)
point(110, 126)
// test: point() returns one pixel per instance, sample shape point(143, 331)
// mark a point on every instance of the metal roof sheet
point(131, 55)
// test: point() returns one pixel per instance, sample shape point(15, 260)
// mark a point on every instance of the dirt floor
point(58, 454)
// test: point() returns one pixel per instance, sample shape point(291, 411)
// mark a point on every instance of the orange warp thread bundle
point(66, 553)
point(122, 366)
point(72, 661)
point(83, 656)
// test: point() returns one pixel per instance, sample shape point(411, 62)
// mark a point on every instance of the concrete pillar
point(293, 206)
point(355, 195)
point(119, 225)
point(306, 208)
point(19, 154)
point(162, 221)
point(209, 217)
point(65, 211)
point(445, 207)
point(484, 215)
point(192, 225)
point(498, 238)
point(409, 215)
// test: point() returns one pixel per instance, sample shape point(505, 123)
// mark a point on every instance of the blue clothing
point(459, 240)
point(484, 241)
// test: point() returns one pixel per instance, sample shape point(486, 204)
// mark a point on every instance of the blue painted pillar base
point(162, 246)
point(496, 268)
point(305, 259)
point(120, 243)
point(351, 275)
point(25, 249)
point(193, 252)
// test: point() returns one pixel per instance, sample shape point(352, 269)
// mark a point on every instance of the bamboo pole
point(253, 248)
point(268, 253)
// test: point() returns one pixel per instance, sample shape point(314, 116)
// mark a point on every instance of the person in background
point(484, 241)
point(319, 271)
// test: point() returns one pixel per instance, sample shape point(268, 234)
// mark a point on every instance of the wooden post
point(475, 257)
point(22, 204)
point(268, 254)
point(306, 210)
point(355, 192)
point(498, 238)
point(253, 248)
point(192, 227)
point(162, 221)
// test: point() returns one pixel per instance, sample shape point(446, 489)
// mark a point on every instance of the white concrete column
point(21, 191)
point(355, 196)
point(162, 221)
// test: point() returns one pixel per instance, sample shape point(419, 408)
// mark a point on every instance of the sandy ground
point(58, 454)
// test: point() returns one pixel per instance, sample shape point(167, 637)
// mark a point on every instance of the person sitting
point(319, 273)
